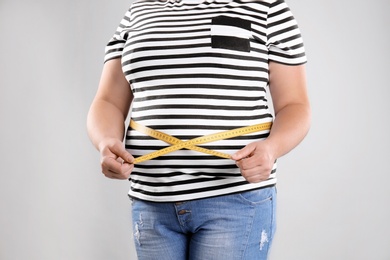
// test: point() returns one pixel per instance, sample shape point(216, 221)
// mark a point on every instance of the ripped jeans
point(229, 227)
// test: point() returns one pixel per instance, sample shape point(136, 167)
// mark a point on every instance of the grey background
point(333, 189)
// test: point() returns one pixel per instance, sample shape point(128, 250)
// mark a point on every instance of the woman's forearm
point(110, 106)
point(104, 121)
point(290, 126)
point(105, 125)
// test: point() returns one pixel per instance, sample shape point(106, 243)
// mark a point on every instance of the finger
point(122, 172)
point(124, 175)
point(256, 179)
point(255, 165)
point(248, 163)
point(111, 165)
point(243, 153)
point(120, 160)
point(126, 170)
point(250, 172)
point(121, 152)
point(258, 175)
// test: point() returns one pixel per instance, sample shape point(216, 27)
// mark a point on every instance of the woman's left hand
point(256, 161)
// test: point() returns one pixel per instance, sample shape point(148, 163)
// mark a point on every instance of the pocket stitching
point(268, 198)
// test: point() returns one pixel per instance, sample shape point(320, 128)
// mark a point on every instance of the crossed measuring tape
point(177, 144)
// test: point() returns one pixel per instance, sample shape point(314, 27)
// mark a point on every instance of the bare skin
point(111, 105)
point(291, 124)
point(106, 119)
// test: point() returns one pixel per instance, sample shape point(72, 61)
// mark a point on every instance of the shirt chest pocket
point(230, 33)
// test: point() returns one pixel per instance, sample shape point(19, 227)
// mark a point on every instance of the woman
point(190, 68)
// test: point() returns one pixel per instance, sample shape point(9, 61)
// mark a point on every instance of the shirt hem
point(169, 200)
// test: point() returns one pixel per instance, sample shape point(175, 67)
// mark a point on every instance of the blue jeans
point(228, 227)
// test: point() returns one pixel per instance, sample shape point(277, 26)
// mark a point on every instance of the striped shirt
point(198, 67)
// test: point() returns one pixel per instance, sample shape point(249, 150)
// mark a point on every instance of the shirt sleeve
point(114, 47)
point(284, 40)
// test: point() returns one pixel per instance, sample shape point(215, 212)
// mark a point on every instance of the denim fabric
point(229, 227)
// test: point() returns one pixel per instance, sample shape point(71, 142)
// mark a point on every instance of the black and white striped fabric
point(198, 67)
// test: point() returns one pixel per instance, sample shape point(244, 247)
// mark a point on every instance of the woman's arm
point(105, 122)
point(291, 124)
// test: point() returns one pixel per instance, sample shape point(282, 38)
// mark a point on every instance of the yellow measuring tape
point(178, 144)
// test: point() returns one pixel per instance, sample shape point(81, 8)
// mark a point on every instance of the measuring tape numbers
point(177, 144)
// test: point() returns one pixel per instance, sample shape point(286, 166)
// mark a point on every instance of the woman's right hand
point(116, 162)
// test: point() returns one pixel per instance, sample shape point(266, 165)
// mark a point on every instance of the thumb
point(243, 153)
point(121, 152)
